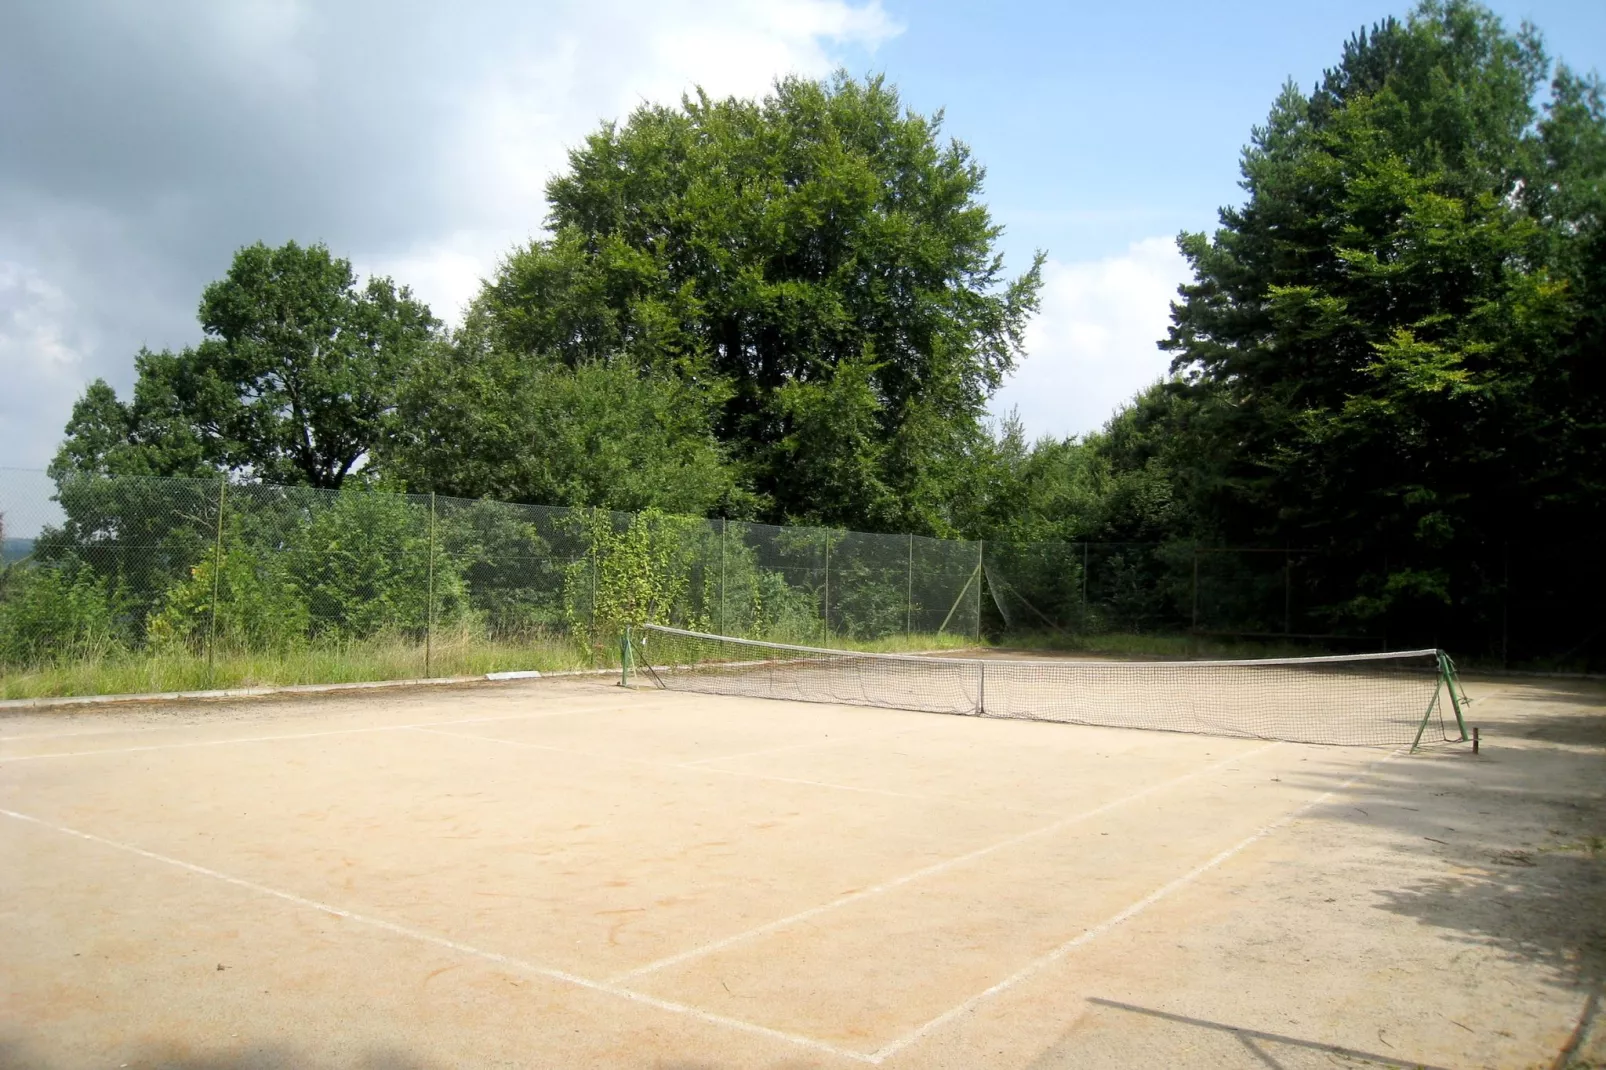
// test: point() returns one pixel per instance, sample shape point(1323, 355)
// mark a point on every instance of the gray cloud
point(144, 143)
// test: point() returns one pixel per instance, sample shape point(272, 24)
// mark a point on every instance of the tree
point(1385, 346)
point(294, 381)
point(813, 253)
point(476, 421)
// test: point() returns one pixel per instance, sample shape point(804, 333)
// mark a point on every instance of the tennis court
point(566, 873)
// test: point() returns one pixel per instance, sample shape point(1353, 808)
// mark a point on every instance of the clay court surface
point(563, 873)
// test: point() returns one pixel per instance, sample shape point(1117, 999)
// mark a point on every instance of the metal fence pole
point(724, 524)
point(217, 575)
point(594, 552)
point(429, 608)
point(1084, 586)
point(1505, 605)
point(981, 574)
point(909, 592)
point(1288, 592)
point(1195, 598)
point(825, 603)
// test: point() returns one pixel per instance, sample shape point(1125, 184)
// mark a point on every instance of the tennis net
point(1357, 700)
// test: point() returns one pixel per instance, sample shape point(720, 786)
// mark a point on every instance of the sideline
point(291, 689)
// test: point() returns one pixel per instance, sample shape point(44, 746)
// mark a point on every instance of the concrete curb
point(289, 689)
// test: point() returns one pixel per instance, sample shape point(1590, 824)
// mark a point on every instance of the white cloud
point(594, 63)
point(1093, 344)
point(40, 352)
point(147, 143)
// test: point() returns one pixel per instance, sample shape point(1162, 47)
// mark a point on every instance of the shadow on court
point(18, 1056)
point(1520, 832)
point(1253, 1047)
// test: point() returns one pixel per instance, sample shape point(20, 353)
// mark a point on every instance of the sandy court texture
point(569, 874)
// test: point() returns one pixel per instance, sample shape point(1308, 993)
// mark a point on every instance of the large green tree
point(817, 264)
point(294, 381)
point(1393, 347)
point(475, 420)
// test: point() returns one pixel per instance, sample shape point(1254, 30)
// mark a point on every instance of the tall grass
point(115, 672)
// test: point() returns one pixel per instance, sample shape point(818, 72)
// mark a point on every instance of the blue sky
point(145, 143)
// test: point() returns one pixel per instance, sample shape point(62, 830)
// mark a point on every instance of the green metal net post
point(1452, 687)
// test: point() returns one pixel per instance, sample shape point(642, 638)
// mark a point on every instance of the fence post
point(825, 603)
point(1195, 598)
point(724, 523)
point(1505, 604)
point(1288, 592)
point(909, 592)
point(594, 552)
point(1084, 585)
point(981, 576)
point(429, 608)
point(217, 573)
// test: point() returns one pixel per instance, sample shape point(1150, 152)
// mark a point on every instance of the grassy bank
point(130, 673)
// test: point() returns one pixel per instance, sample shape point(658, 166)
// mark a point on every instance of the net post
point(217, 575)
point(1451, 682)
point(981, 687)
point(1438, 684)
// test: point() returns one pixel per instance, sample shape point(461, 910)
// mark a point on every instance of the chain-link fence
point(163, 584)
point(143, 584)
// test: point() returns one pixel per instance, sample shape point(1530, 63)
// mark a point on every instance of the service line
point(929, 871)
point(1093, 933)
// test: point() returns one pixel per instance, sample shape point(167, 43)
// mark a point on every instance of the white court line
point(697, 767)
point(548, 972)
point(928, 871)
point(424, 725)
point(1111, 922)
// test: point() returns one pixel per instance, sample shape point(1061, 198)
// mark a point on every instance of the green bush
point(365, 568)
point(60, 613)
point(260, 604)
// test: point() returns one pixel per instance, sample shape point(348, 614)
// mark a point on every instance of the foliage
point(259, 598)
point(814, 248)
point(637, 571)
point(477, 421)
point(1391, 349)
point(294, 381)
point(60, 613)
